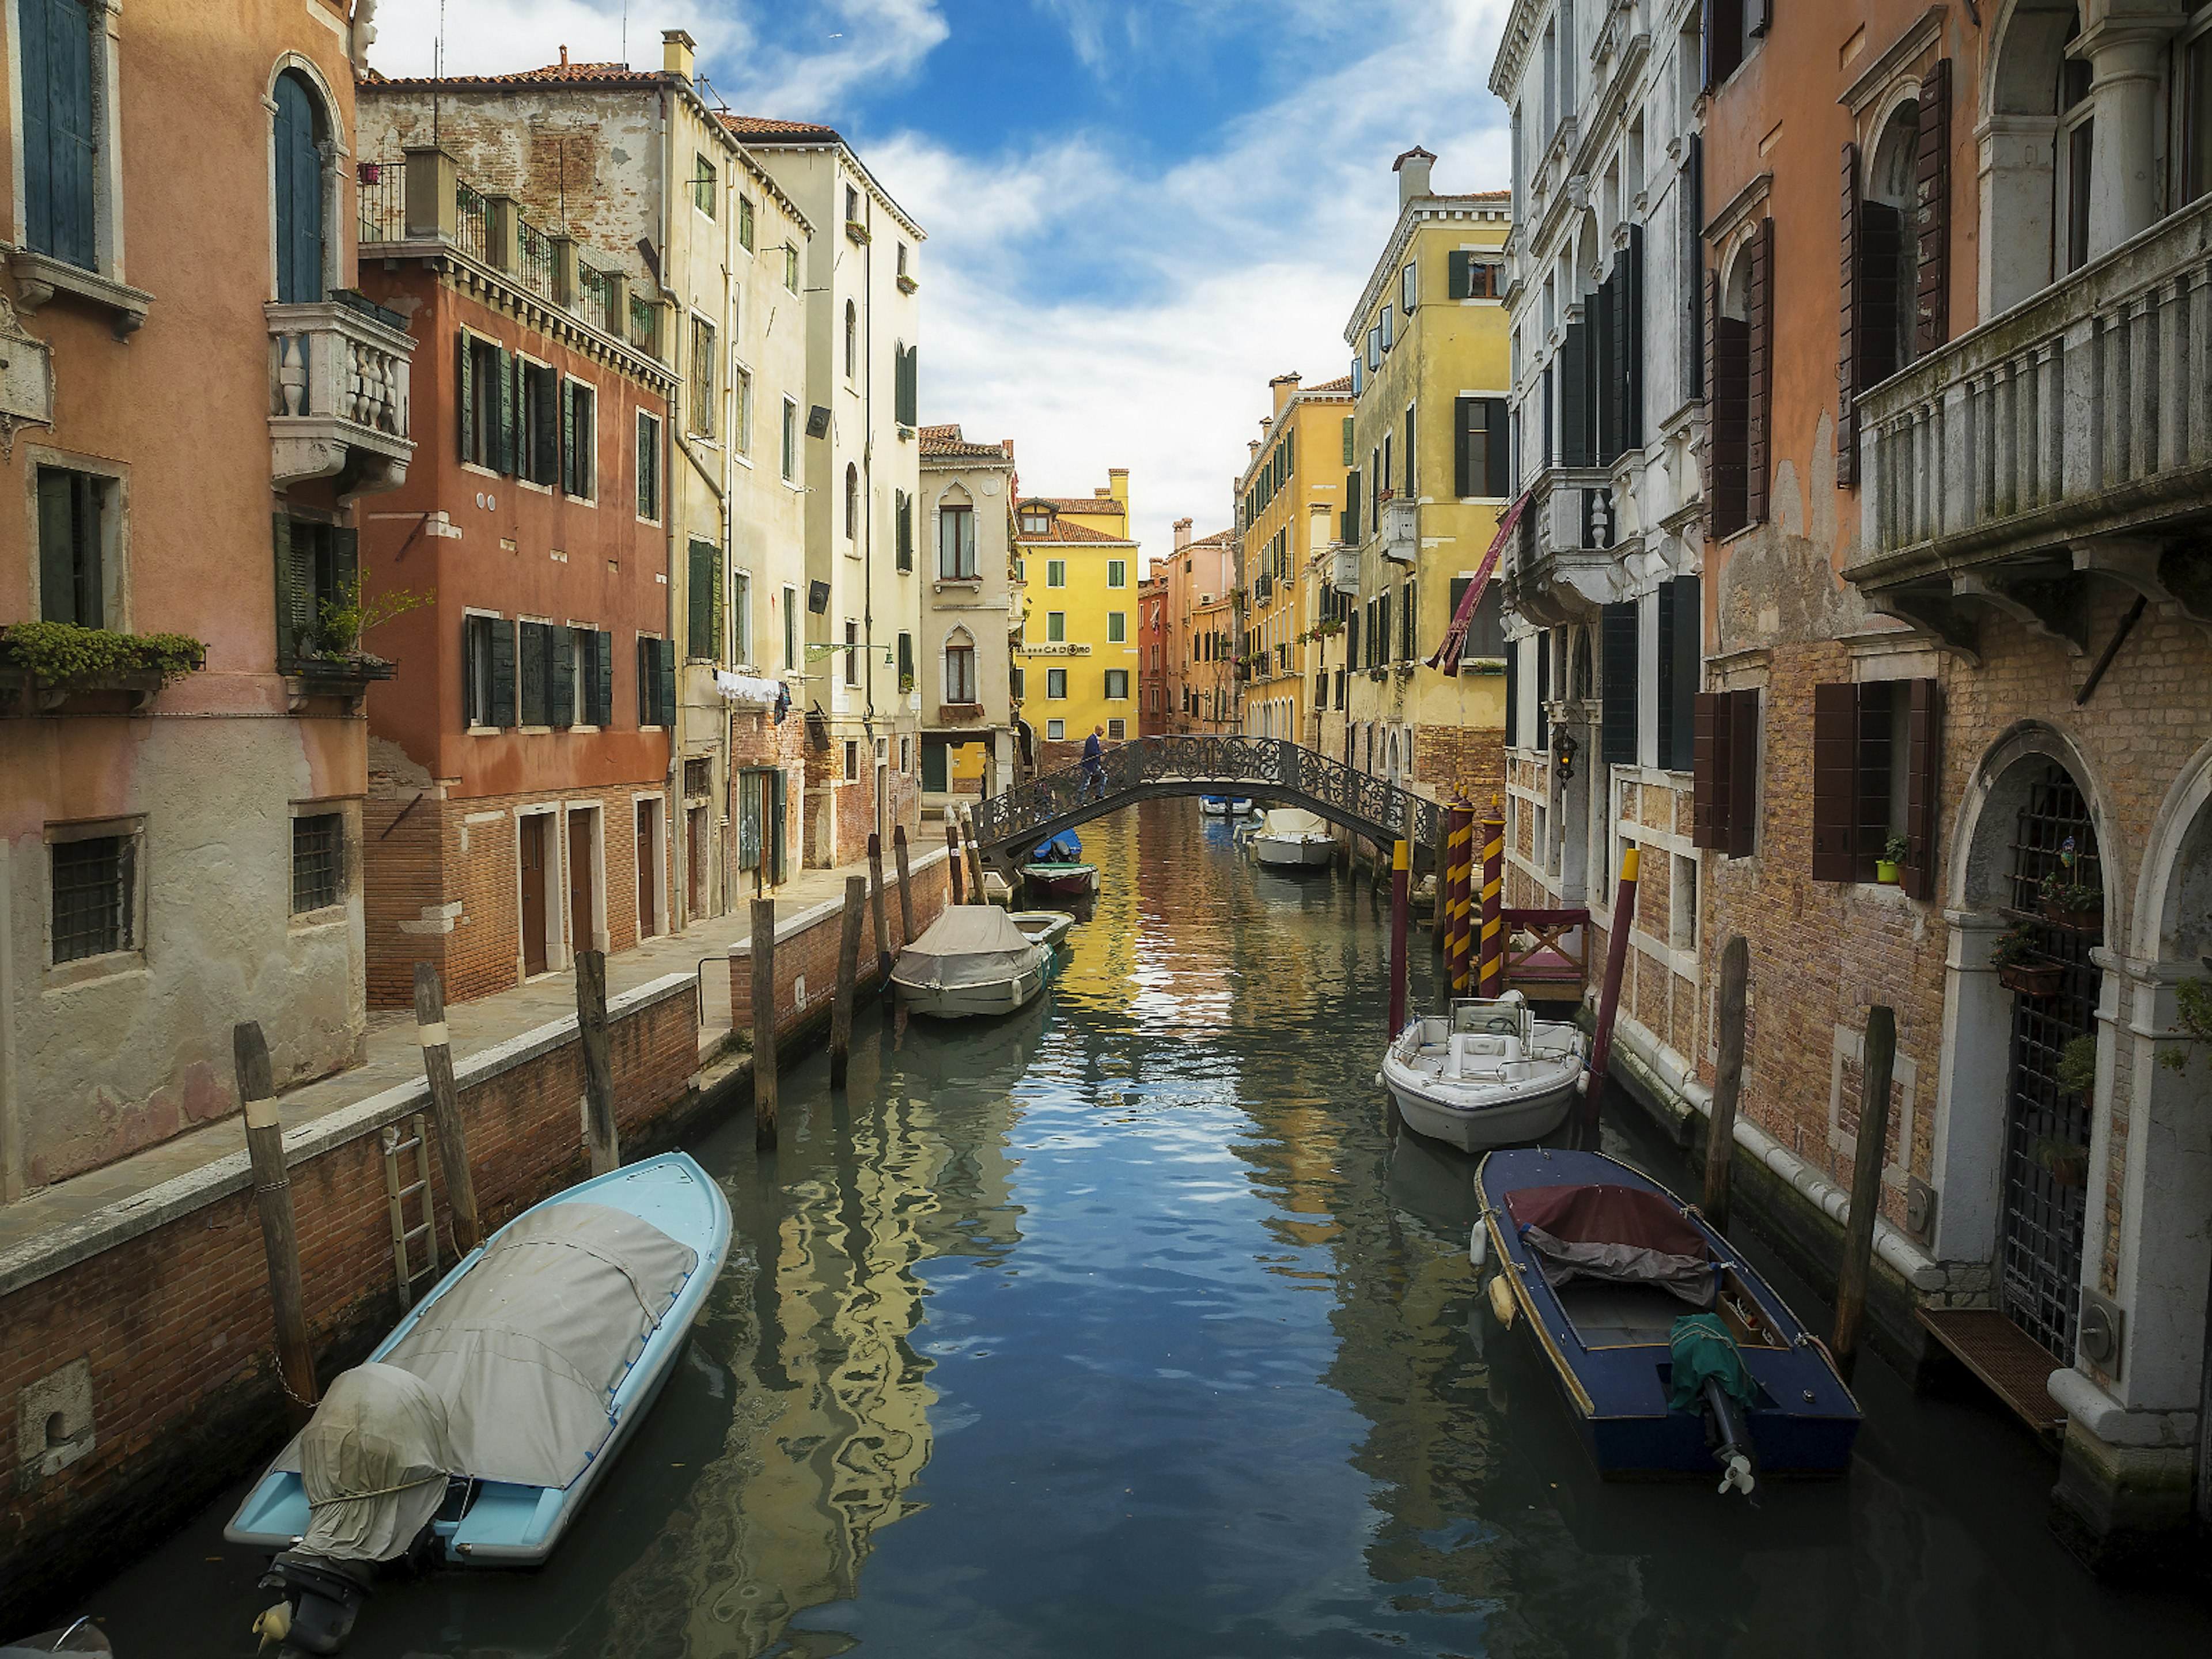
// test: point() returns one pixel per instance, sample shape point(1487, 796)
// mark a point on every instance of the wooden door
point(582, 911)
point(648, 873)
point(696, 850)
point(533, 894)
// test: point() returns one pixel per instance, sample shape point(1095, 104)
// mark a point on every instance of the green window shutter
point(1461, 274)
point(560, 677)
point(532, 665)
point(345, 566)
point(502, 672)
point(647, 708)
point(700, 600)
point(568, 439)
point(603, 686)
point(585, 415)
point(1498, 459)
point(667, 672)
point(466, 403)
point(547, 443)
point(58, 142)
point(57, 545)
point(288, 645)
point(1349, 452)
point(503, 461)
point(905, 658)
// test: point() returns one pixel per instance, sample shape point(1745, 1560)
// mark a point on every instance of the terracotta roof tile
point(1341, 383)
point(945, 440)
point(596, 74)
point(768, 129)
point(1062, 530)
point(1104, 505)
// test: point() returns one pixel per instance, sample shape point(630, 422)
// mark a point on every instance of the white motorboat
point(972, 960)
point(1229, 806)
point(1046, 928)
point(1290, 838)
point(1487, 1074)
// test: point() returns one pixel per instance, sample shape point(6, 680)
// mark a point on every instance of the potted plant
point(2021, 966)
point(2077, 1065)
point(2192, 1013)
point(1893, 855)
point(332, 648)
point(2070, 905)
point(2067, 1164)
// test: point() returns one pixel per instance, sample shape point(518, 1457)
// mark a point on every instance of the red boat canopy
point(1607, 1214)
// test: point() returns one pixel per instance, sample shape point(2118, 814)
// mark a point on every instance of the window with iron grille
point(1117, 730)
point(317, 861)
point(93, 898)
point(745, 223)
point(698, 779)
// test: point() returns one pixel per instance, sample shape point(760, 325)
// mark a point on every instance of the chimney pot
point(676, 53)
point(1413, 171)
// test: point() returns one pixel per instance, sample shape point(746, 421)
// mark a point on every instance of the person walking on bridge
point(1094, 763)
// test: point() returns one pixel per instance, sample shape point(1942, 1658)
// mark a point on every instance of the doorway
point(760, 824)
point(2046, 1142)
point(648, 868)
point(695, 852)
point(534, 930)
point(583, 884)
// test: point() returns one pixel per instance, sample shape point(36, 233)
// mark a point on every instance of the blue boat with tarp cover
point(1674, 1356)
point(1055, 868)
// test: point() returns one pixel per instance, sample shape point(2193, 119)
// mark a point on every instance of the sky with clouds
point(1137, 213)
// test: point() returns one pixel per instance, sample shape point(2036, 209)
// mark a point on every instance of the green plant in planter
point(906, 682)
point(340, 623)
point(2067, 896)
point(62, 654)
point(2192, 1012)
point(2077, 1065)
point(2017, 949)
point(1895, 850)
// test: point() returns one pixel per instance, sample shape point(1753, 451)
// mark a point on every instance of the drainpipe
point(678, 907)
point(868, 477)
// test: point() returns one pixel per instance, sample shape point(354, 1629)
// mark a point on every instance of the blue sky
point(1137, 213)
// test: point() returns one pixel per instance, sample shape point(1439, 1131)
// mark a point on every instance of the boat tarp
point(1624, 1235)
point(1699, 1346)
point(527, 1349)
point(968, 944)
point(1066, 847)
point(1293, 821)
point(373, 1461)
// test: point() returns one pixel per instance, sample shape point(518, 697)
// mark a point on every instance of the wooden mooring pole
point(848, 971)
point(763, 962)
point(279, 1230)
point(1879, 1060)
point(599, 1134)
point(975, 860)
point(446, 1108)
point(905, 889)
point(1492, 976)
point(876, 892)
point(1609, 1001)
point(1401, 876)
point(1720, 1140)
point(952, 851)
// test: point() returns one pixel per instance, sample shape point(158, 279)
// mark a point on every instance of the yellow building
point(1431, 473)
point(1288, 503)
point(1077, 662)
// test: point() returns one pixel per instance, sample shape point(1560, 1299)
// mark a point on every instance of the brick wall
point(175, 1319)
point(442, 883)
point(1469, 761)
point(806, 947)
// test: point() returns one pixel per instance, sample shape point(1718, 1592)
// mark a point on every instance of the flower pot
point(2032, 979)
point(1885, 872)
point(2089, 920)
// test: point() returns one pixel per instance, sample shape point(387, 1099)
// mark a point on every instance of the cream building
point(860, 466)
point(971, 611)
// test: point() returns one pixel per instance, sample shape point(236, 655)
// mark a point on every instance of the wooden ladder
point(398, 1191)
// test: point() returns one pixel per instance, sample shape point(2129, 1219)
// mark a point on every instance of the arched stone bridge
point(1273, 770)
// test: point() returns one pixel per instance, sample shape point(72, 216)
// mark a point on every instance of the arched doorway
point(2044, 1173)
point(297, 158)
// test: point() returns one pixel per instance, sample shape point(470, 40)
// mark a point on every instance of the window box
point(908, 285)
point(347, 675)
point(953, 714)
point(44, 665)
point(2036, 977)
point(2085, 918)
point(856, 233)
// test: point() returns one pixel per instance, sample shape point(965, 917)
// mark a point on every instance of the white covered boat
point(1489, 1074)
point(1290, 838)
point(974, 959)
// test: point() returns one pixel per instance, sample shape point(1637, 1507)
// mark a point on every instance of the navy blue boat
point(1066, 847)
point(1606, 1265)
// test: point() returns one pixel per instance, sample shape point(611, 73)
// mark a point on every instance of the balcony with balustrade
point(2067, 438)
point(1560, 566)
point(339, 404)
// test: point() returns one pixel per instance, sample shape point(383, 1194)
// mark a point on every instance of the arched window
point(1889, 270)
point(852, 502)
point(297, 158)
point(2037, 198)
point(959, 666)
point(852, 340)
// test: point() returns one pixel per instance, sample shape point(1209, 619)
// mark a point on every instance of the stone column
point(432, 203)
point(2124, 84)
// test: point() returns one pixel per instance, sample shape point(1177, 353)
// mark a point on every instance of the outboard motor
point(1728, 1432)
point(324, 1596)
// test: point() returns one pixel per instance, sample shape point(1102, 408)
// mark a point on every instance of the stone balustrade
point(338, 395)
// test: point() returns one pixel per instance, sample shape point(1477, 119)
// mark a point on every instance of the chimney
point(676, 48)
point(1413, 171)
point(1181, 534)
point(1285, 386)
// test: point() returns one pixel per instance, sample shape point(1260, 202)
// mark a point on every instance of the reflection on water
point(1120, 1328)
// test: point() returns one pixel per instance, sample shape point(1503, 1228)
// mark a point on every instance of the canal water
point(1121, 1328)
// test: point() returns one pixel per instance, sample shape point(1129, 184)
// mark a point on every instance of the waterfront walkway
point(394, 1058)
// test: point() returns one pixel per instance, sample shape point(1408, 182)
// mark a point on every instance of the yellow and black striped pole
point(1493, 902)
point(1458, 942)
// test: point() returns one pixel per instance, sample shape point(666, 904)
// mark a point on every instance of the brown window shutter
point(1877, 731)
point(1923, 806)
point(1758, 403)
point(1835, 781)
point(1881, 229)
point(1709, 772)
point(1712, 318)
point(1743, 774)
point(1932, 217)
point(1847, 364)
